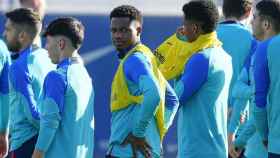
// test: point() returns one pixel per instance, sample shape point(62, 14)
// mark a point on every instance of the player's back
point(237, 42)
point(74, 137)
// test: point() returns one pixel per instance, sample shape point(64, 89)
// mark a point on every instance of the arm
point(4, 99)
point(171, 105)
point(195, 75)
point(138, 70)
point(246, 133)
point(52, 106)
point(21, 81)
point(236, 147)
point(242, 88)
point(242, 93)
point(4, 89)
point(262, 82)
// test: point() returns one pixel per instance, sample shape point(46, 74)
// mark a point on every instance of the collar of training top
point(231, 22)
point(68, 61)
point(27, 50)
point(123, 52)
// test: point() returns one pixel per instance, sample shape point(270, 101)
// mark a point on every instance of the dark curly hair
point(68, 27)
point(127, 11)
point(204, 12)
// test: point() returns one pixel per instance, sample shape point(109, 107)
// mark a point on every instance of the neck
point(24, 46)
point(269, 34)
point(123, 52)
point(68, 54)
point(231, 19)
point(37, 41)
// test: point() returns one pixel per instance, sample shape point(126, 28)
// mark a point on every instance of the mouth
point(119, 43)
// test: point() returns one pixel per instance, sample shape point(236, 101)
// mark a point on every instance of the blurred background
point(161, 18)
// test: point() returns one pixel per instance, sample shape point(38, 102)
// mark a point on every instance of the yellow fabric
point(121, 98)
point(173, 53)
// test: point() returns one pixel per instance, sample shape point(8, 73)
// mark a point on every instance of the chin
point(12, 49)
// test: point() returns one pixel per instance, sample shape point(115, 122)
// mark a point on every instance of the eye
point(113, 30)
point(124, 30)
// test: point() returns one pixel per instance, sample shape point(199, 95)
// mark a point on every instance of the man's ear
point(196, 28)
point(61, 43)
point(248, 11)
point(22, 36)
point(267, 24)
point(139, 30)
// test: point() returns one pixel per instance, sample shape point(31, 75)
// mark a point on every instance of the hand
point(3, 145)
point(233, 152)
point(180, 31)
point(138, 144)
point(265, 143)
point(37, 154)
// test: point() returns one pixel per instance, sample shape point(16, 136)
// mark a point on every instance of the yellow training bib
point(120, 96)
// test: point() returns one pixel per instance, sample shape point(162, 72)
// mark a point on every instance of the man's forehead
point(120, 20)
point(123, 22)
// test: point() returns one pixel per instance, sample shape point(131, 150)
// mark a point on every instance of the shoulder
point(55, 77)
point(273, 46)
point(136, 59)
point(235, 30)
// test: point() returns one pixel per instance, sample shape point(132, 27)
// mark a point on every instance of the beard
point(13, 46)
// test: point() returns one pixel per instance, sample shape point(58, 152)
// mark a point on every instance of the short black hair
point(27, 19)
point(236, 8)
point(270, 9)
point(127, 11)
point(204, 12)
point(69, 27)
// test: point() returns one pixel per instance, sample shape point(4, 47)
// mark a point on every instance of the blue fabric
point(272, 155)
point(261, 74)
point(26, 150)
point(230, 22)
point(26, 78)
point(171, 99)
point(248, 59)
point(267, 110)
point(4, 86)
point(237, 42)
point(4, 68)
point(137, 60)
point(123, 52)
point(202, 119)
point(67, 119)
point(148, 106)
point(22, 81)
point(54, 89)
point(135, 66)
point(242, 92)
point(140, 120)
point(55, 85)
point(247, 136)
point(196, 73)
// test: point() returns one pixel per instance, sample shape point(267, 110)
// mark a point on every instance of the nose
point(4, 34)
point(47, 46)
point(117, 34)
